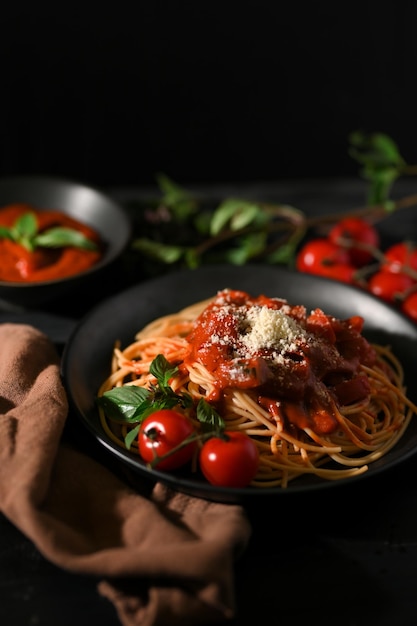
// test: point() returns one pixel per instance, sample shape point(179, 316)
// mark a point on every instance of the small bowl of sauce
point(55, 236)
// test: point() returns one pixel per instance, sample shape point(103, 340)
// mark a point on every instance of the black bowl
point(87, 355)
point(81, 202)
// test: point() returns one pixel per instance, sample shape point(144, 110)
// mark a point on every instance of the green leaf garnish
point(125, 404)
point(131, 404)
point(131, 436)
point(63, 237)
point(162, 370)
point(208, 232)
point(211, 422)
point(179, 201)
point(163, 395)
point(381, 163)
point(5, 233)
point(235, 213)
point(25, 231)
point(26, 226)
point(249, 247)
point(159, 251)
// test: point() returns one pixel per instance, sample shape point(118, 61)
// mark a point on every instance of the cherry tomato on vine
point(355, 230)
point(231, 460)
point(340, 272)
point(160, 433)
point(389, 285)
point(409, 306)
point(319, 253)
point(324, 258)
point(399, 255)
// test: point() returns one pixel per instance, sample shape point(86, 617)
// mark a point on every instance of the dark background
point(112, 93)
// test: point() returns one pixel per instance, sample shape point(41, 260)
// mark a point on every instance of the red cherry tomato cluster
point(351, 253)
point(168, 440)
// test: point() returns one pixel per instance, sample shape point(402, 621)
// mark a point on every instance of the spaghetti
point(312, 392)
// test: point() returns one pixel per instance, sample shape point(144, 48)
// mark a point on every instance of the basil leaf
point(60, 237)
point(381, 163)
point(24, 229)
point(125, 404)
point(5, 233)
point(162, 369)
point(158, 251)
point(25, 232)
point(247, 214)
point(285, 254)
point(131, 404)
point(248, 247)
point(235, 212)
point(26, 226)
point(131, 436)
point(209, 418)
point(177, 199)
point(192, 259)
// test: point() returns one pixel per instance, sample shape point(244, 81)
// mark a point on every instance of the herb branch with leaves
point(178, 230)
point(131, 405)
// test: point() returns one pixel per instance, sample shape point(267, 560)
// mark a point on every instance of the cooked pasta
point(308, 388)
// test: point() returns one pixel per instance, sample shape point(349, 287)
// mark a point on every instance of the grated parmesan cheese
point(268, 327)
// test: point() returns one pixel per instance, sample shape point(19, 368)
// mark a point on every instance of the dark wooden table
point(345, 556)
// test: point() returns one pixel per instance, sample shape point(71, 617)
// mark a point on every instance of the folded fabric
point(163, 558)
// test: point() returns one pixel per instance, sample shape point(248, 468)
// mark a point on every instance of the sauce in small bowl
point(52, 247)
point(32, 275)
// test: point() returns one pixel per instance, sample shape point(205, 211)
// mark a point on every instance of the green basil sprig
point(131, 404)
point(25, 231)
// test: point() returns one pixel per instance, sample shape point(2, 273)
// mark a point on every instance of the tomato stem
point(158, 459)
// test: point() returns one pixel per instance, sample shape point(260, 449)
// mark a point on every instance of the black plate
point(86, 358)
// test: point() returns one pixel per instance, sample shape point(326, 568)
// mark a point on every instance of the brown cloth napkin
point(166, 558)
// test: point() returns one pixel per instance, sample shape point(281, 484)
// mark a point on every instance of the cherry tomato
point(388, 285)
point(317, 255)
point(399, 255)
point(351, 230)
point(340, 272)
point(409, 306)
point(160, 433)
point(229, 461)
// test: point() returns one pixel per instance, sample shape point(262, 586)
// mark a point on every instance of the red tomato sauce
point(43, 264)
point(298, 376)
